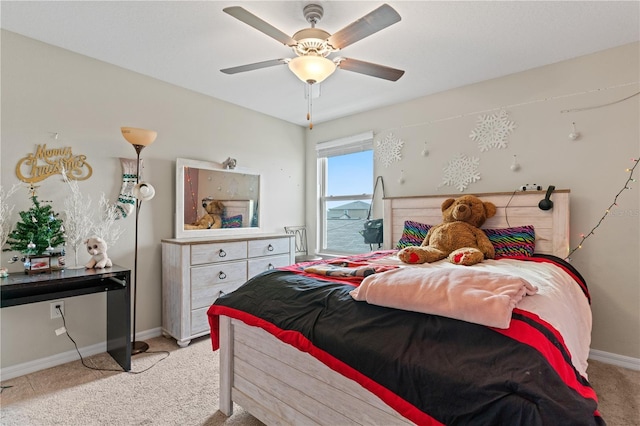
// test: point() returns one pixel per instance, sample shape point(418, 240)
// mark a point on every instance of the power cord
point(506, 215)
point(64, 323)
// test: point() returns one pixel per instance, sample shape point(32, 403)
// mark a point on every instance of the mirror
point(231, 196)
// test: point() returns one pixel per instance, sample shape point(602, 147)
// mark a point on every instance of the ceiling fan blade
point(368, 68)
point(375, 21)
point(260, 25)
point(255, 66)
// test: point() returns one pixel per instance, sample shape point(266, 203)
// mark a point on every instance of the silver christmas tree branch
point(6, 210)
point(78, 223)
point(105, 227)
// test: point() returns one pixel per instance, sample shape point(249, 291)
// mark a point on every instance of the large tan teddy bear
point(212, 218)
point(458, 237)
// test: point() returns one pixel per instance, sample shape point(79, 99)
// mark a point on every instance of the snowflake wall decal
point(492, 130)
point(461, 171)
point(388, 149)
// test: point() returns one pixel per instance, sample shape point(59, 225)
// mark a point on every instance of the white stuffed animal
point(97, 248)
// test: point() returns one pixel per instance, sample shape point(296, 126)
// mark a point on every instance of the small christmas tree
point(39, 232)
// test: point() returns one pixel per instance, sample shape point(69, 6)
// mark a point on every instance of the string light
point(193, 194)
point(526, 103)
point(607, 211)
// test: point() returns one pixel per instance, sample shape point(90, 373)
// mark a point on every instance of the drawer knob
point(222, 275)
point(222, 253)
point(270, 247)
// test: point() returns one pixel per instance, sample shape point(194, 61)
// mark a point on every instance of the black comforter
point(443, 370)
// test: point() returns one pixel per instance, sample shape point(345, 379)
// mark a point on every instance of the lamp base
point(139, 347)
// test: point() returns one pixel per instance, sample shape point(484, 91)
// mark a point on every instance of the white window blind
point(347, 145)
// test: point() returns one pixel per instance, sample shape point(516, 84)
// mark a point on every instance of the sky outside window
point(350, 174)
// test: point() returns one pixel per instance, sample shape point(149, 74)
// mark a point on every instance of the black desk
point(20, 289)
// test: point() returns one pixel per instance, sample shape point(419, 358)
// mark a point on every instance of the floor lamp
point(142, 191)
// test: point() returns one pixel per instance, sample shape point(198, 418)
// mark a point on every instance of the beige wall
point(592, 167)
point(47, 89)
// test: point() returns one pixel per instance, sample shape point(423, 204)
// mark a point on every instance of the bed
point(300, 345)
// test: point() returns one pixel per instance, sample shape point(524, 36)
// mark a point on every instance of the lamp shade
point(312, 69)
point(136, 136)
point(144, 191)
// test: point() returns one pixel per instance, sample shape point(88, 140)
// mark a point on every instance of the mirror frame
point(180, 232)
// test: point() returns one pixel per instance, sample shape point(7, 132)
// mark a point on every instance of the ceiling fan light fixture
point(312, 69)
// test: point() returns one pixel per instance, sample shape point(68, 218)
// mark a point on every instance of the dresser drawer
point(221, 273)
point(268, 247)
point(218, 252)
point(266, 263)
point(205, 296)
point(199, 321)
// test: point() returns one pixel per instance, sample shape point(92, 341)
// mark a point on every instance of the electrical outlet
point(54, 310)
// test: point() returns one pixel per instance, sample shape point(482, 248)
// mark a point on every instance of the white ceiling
point(440, 44)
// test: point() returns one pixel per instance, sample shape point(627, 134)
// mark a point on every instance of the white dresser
point(195, 271)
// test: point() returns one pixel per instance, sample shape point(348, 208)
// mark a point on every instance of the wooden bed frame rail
point(279, 384)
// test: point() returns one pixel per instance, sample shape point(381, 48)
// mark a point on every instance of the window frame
point(348, 145)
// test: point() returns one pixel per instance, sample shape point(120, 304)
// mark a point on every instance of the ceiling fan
point(313, 45)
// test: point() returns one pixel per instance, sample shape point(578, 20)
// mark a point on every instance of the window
point(345, 181)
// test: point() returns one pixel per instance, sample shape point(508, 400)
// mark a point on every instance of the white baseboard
point(62, 358)
point(58, 359)
point(615, 359)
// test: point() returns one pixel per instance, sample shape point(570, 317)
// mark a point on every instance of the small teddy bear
point(212, 218)
point(458, 237)
point(97, 248)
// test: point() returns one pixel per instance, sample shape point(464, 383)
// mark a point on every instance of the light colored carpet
point(183, 390)
point(618, 391)
point(180, 390)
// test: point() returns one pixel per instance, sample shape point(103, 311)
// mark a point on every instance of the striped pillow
point(510, 242)
point(232, 222)
point(413, 234)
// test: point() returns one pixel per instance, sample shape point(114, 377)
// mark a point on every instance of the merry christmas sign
point(46, 162)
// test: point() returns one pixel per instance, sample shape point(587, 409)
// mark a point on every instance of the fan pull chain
point(310, 106)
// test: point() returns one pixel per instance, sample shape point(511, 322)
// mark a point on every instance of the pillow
point(510, 242)
point(413, 234)
point(232, 222)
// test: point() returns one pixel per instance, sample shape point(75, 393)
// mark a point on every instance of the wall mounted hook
point(575, 134)
point(425, 151)
point(515, 166)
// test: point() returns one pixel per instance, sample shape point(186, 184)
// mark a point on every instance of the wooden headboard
point(514, 209)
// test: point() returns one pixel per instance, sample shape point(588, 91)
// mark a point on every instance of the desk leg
point(119, 326)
